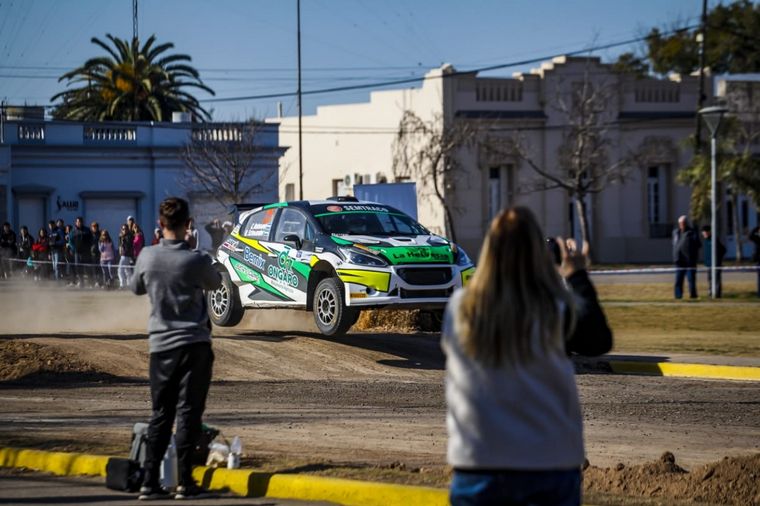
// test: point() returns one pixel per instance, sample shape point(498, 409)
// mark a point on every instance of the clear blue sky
point(248, 47)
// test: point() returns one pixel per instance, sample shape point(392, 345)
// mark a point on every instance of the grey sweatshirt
point(174, 277)
point(523, 417)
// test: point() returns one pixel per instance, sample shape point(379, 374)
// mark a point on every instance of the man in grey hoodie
point(174, 277)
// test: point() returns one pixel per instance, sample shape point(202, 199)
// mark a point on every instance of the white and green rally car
point(333, 257)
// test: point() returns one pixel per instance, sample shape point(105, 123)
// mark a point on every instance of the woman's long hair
point(511, 305)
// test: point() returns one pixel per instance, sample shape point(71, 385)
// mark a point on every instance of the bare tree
point(584, 166)
point(222, 161)
point(425, 151)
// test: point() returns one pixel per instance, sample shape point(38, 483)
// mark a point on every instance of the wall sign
point(69, 205)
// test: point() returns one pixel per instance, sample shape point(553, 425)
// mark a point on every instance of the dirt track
point(298, 399)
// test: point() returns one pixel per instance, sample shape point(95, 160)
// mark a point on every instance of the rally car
point(334, 257)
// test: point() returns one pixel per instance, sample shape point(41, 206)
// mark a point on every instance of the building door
point(31, 212)
point(111, 213)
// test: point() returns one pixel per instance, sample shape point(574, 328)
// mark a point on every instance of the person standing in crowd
point(685, 256)
point(513, 413)
point(126, 256)
point(130, 223)
point(95, 271)
point(56, 245)
point(25, 243)
point(181, 358)
point(191, 236)
point(106, 255)
point(41, 254)
point(754, 237)
point(216, 232)
point(81, 239)
point(138, 240)
point(7, 250)
point(721, 250)
point(69, 255)
point(156, 237)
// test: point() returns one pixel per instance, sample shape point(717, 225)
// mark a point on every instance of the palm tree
point(132, 84)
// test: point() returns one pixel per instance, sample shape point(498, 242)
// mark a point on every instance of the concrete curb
point(244, 482)
point(684, 370)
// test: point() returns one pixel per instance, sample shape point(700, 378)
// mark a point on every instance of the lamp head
point(713, 116)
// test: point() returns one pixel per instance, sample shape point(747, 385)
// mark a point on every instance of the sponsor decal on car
point(253, 258)
point(283, 271)
point(334, 209)
point(372, 209)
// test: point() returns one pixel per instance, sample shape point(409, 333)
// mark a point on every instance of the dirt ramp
point(733, 480)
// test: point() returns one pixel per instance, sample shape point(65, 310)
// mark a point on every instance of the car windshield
point(361, 219)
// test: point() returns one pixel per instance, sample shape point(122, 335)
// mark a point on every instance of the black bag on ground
point(124, 475)
point(201, 450)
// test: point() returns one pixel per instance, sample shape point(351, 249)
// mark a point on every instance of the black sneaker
point(192, 492)
point(154, 493)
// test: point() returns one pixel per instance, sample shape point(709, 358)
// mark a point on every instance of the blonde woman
point(513, 414)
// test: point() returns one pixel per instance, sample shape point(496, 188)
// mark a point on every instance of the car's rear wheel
point(331, 315)
point(224, 306)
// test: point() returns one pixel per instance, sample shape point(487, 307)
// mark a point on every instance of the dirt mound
point(733, 480)
point(25, 361)
point(401, 320)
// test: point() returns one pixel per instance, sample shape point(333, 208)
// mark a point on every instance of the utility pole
point(701, 38)
point(300, 108)
point(135, 33)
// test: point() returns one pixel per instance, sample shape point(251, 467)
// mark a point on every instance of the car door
point(255, 258)
point(294, 241)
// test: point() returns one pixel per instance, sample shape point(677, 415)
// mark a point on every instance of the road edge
point(244, 482)
point(685, 370)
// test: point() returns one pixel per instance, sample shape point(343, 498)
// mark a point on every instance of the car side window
point(291, 222)
point(259, 225)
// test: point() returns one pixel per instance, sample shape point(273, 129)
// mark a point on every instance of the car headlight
point(462, 258)
point(358, 258)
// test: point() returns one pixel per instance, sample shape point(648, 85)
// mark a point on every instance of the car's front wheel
point(224, 306)
point(330, 312)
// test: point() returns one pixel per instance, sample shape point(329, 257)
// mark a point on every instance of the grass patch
point(720, 328)
point(657, 292)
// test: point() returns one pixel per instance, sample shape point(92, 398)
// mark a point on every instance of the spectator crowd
point(83, 256)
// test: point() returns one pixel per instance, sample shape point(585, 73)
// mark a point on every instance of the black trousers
point(179, 382)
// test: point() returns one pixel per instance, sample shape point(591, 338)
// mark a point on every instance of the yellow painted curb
point(59, 463)
point(244, 482)
point(315, 488)
point(726, 372)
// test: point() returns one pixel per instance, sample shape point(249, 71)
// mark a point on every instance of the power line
point(412, 80)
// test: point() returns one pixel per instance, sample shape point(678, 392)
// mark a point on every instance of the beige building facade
point(645, 120)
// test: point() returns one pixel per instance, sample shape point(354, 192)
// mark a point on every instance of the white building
point(645, 117)
point(107, 171)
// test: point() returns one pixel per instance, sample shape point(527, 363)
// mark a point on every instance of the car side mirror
point(292, 240)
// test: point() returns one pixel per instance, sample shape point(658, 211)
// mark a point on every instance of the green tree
point(132, 83)
point(629, 63)
point(732, 42)
point(738, 171)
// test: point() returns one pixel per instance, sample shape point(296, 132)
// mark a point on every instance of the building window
point(657, 203)
point(290, 192)
point(499, 189)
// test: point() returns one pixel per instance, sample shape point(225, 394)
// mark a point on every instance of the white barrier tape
point(672, 270)
point(603, 272)
point(63, 263)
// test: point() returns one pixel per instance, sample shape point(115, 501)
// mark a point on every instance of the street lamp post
point(712, 116)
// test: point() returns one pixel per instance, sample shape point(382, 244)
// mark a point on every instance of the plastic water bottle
point(236, 449)
point(169, 466)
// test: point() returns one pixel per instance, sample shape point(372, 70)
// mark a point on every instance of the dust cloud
point(47, 308)
point(28, 308)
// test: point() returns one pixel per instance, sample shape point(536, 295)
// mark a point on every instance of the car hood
point(397, 250)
